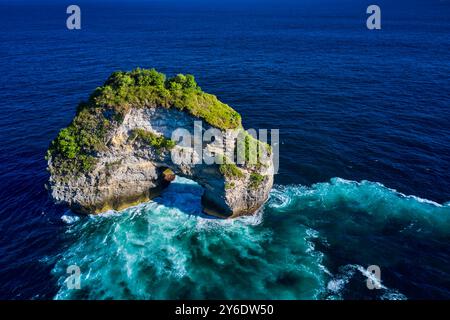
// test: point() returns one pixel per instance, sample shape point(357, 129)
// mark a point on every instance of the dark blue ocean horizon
point(364, 150)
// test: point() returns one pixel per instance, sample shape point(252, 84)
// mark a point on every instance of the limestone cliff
point(117, 150)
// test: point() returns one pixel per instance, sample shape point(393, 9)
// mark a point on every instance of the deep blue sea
point(364, 179)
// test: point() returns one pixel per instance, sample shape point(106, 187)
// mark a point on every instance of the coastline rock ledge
point(117, 151)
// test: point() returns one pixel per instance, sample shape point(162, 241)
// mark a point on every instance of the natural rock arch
point(135, 150)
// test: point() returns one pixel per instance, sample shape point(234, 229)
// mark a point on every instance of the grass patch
point(255, 180)
point(75, 147)
point(158, 142)
point(253, 150)
point(230, 170)
point(229, 185)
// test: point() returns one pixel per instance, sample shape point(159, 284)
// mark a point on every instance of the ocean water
point(364, 151)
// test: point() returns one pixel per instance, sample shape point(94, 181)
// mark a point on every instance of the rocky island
point(118, 150)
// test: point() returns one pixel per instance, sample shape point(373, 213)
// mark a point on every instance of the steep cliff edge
point(118, 148)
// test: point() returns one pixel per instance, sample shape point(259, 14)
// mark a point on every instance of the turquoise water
point(306, 243)
point(349, 103)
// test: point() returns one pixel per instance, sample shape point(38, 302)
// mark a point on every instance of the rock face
point(128, 169)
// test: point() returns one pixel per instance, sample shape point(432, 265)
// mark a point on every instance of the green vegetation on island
point(255, 180)
point(253, 149)
point(75, 147)
point(229, 185)
point(160, 143)
point(229, 169)
point(149, 88)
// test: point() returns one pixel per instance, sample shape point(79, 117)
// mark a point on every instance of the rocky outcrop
point(134, 163)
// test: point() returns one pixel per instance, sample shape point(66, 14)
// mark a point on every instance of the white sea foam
point(69, 217)
point(167, 248)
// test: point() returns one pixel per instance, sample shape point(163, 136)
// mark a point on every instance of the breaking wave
point(306, 243)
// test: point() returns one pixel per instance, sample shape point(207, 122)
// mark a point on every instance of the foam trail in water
point(307, 243)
